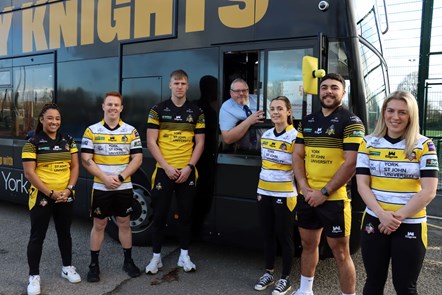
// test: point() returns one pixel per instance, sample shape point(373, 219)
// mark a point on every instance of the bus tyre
point(140, 219)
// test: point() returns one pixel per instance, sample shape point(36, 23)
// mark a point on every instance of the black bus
point(73, 51)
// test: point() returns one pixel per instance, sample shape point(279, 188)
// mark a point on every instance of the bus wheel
point(140, 219)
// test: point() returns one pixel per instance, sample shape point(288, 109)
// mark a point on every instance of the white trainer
point(299, 292)
point(34, 285)
point(154, 265)
point(70, 273)
point(185, 262)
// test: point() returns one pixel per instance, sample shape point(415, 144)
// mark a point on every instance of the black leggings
point(278, 226)
point(40, 217)
point(405, 247)
point(162, 193)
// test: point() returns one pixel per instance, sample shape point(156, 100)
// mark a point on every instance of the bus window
point(32, 86)
point(285, 78)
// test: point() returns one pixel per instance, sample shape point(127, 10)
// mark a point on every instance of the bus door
point(270, 70)
point(26, 84)
point(145, 80)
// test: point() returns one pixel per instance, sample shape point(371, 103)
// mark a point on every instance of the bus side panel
point(234, 210)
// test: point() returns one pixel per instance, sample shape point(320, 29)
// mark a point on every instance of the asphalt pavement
point(221, 269)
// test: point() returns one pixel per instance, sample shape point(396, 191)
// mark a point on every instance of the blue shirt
point(232, 112)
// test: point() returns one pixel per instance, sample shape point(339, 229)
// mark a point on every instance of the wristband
point(120, 178)
point(50, 194)
point(192, 167)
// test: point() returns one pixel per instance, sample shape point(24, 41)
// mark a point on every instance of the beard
point(335, 103)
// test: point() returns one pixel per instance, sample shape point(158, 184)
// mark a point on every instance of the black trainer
point(264, 281)
point(94, 273)
point(131, 269)
point(282, 286)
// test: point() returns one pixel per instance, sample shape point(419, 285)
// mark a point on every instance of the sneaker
point(282, 286)
point(264, 281)
point(34, 285)
point(131, 269)
point(94, 273)
point(69, 273)
point(299, 292)
point(185, 262)
point(154, 265)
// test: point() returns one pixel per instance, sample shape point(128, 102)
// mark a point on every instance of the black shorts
point(111, 203)
point(333, 216)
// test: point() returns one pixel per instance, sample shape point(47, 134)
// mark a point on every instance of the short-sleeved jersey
point(112, 149)
point(52, 157)
point(276, 177)
point(325, 139)
point(177, 128)
point(395, 177)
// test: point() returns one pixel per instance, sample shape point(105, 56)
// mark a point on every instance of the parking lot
point(221, 269)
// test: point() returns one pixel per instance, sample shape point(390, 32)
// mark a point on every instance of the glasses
point(240, 90)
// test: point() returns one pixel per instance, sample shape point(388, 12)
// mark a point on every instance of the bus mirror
point(310, 74)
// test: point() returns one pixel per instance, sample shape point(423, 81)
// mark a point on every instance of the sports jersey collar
point(335, 111)
point(120, 123)
point(175, 106)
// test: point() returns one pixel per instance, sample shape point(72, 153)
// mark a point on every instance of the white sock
point(306, 284)
point(156, 255)
point(184, 252)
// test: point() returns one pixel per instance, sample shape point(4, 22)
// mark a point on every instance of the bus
point(72, 52)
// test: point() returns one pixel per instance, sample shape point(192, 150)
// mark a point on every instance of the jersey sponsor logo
point(99, 138)
point(283, 147)
point(178, 118)
point(391, 155)
point(112, 138)
point(431, 146)
point(307, 130)
point(410, 235)
point(431, 163)
point(137, 144)
point(373, 153)
point(56, 148)
point(355, 119)
point(43, 148)
point(85, 142)
point(166, 117)
point(330, 130)
point(336, 229)
point(335, 120)
point(136, 133)
point(318, 131)
point(42, 141)
point(357, 133)
point(411, 156)
point(311, 120)
point(124, 138)
point(189, 119)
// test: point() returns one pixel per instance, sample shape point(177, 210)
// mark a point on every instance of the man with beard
point(324, 161)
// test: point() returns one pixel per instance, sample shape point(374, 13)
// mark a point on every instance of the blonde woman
point(397, 175)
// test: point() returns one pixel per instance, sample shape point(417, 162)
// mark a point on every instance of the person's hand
point(172, 172)
point(256, 117)
point(111, 182)
point(61, 197)
point(389, 223)
point(314, 197)
point(184, 174)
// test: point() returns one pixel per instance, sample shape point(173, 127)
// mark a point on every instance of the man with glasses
point(238, 114)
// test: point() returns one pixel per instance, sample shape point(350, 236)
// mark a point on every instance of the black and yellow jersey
point(177, 127)
point(325, 140)
point(112, 149)
point(53, 159)
point(394, 176)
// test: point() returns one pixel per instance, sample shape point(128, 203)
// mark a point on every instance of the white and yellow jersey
point(112, 149)
point(276, 177)
point(395, 177)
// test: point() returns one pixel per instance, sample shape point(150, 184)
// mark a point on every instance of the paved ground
point(221, 270)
